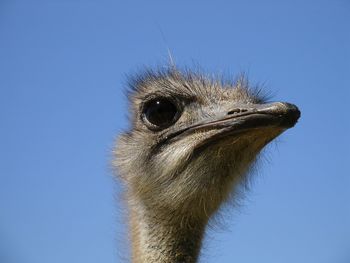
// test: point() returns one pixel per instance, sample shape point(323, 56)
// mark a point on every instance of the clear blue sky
point(62, 76)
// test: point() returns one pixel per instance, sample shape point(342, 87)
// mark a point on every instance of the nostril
point(236, 111)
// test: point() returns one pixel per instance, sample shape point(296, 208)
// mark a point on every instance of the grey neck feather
point(164, 238)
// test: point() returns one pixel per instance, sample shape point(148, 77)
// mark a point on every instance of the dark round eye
point(160, 113)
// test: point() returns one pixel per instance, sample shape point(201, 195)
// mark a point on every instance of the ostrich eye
point(160, 113)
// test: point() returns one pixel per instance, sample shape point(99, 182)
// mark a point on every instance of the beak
point(277, 115)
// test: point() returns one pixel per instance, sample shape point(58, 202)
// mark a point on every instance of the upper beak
point(281, 114)
point(278, 114)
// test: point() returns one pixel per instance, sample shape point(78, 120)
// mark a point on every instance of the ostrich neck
point(164, 238)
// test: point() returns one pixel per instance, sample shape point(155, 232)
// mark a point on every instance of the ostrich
point(191, 144)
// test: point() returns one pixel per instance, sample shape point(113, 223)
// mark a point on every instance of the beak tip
point(291, 114)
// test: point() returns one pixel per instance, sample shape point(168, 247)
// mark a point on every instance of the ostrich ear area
point(125, 153)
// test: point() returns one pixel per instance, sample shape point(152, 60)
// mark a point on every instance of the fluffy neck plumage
point(164, 237)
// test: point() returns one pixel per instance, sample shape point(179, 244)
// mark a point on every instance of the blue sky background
point(62, 76)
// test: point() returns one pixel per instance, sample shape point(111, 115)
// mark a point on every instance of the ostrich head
point(192, 139)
